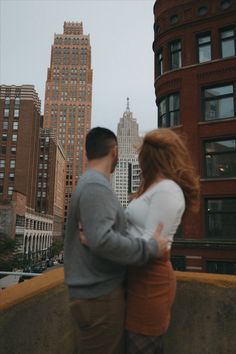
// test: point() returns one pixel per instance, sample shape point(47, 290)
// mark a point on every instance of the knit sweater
point(99, 267)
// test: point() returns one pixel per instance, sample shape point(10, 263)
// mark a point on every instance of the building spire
point(127, 106)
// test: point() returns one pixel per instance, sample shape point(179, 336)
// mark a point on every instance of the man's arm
point(97, 216)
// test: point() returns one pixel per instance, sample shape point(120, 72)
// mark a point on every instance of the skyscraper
point(68, 98)
point(128, 142)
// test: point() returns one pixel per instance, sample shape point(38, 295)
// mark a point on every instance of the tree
point(9, 257)
point(56, 248)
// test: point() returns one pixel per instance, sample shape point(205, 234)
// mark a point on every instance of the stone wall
point(35, 318)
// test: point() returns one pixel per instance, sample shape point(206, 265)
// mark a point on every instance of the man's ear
point(114, 150)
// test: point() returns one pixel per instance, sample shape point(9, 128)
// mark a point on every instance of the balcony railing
point(35, 316)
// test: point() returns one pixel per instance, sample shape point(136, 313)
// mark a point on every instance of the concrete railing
point(35, 316)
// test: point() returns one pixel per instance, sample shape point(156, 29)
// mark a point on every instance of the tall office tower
point(68, 99)
point(128, 142)
point(19, 129)
point(195, 80)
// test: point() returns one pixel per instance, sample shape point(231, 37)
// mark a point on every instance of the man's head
point(102, 143)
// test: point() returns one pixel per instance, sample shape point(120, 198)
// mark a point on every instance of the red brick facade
point(194, 50)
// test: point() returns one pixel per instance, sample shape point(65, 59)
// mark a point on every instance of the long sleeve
point(166, 207)
point(97, 214)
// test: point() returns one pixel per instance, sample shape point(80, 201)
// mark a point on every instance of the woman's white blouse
point(162, 203)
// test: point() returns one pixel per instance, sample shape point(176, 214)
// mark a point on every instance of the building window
point(225, 4)
point(3, 150)
point(2, 163)
point(220, 158)
point(11, 176)
point(221, 218)
point(17, 101)
point(12, 163)
point(13, 150)
point(7, 101)
point(10, 190)
point(16, 113)
point(14, 137)
point(221, 267)
point(203, 10)
point(218, 102)
point(6, 112)
point(169, 111)
point(4, 137)
point(174, 19)
point(159, 63)
point(5, 125)
point(204, 48)
point(178, 263)
point(175, 55)
point(227, 42)
point(15, 125)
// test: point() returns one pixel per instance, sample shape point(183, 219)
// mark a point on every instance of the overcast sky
point(121, 35)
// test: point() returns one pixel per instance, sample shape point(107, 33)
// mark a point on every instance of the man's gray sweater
point(99, 267)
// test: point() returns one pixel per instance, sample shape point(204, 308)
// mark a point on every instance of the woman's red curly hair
point(164, 153)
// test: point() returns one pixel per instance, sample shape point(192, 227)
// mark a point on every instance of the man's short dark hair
point(99, 142)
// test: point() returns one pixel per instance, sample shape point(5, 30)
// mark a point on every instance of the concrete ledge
point(35, 316)
point(203, 316)
point(218, 280)
point(30, 288)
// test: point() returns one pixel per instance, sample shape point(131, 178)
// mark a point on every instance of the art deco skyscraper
point(68, 98)
point(128, 142)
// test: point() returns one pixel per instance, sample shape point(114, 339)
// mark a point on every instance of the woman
point(169, 187)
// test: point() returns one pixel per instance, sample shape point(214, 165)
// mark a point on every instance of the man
point(95, 272)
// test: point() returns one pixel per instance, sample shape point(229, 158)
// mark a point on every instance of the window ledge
point(216, 179)
point(194, 65)
point(213, 121)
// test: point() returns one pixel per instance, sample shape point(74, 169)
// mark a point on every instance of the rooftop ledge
point(35, 316)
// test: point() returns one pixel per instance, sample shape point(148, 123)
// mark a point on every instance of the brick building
point(19, 130)
point(68, 99)
point(51, 180)
point(195, 84)
point(20, 155)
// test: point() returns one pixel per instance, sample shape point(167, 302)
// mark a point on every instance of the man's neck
point(100, 166)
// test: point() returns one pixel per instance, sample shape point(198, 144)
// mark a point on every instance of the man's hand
point(162, 241)
point(82, 237)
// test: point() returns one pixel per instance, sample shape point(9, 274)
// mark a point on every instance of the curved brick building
point(195, 84)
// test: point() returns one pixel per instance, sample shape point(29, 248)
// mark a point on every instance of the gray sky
point(121, 35)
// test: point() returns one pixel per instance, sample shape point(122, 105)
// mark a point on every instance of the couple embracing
point(104, 245)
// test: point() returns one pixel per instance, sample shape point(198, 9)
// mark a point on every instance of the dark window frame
point(168, 111)
point(206, 213)
point(205, 7)
point(204, 100)
point(219, 153)
point(159, 69)
point(174, 19)
point(219, 264)
point(202, 35)
point(221, 5)
point(171, 52)
point(224, 29)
